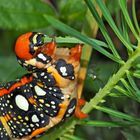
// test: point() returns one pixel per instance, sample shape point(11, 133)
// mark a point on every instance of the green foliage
point(108, 85)
point(23, 14)
point(110, 5)
point(72, 12)
point(107, 123)
point(118, 114)
point(73, 32)
point(14, 69)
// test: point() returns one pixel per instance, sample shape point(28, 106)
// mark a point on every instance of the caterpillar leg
point(78, 113)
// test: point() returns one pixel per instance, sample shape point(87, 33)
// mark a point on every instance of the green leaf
point(129, 92)
point(132, 89)
point(102, 27)
point(136, 74)
point(134, 16)
point(107, 123)
point(118, 114)
point(131, 81)
point(76, 11)
point(23, 14)
point(125, 30)
point(67, 29)
point(72, 40)
point(110, 5)
point(122, 90)
point(116, 95)
point(127, 17)
point(10, 69)
point(112, 24)
point(126, 85)
point(72, 13)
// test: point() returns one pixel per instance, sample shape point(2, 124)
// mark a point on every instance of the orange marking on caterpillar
point(3, 92)
point(53, 121)
point(7, 117)
point(32, 100)
point(23, 52)
point(75, 53)
point(49, 48)
point(22, 82)
point(78, 113)
point(37, 132)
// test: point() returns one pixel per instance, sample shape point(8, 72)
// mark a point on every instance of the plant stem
point(111, 83)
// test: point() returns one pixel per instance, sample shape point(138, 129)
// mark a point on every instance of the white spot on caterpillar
point(52, 102)
point(45, 77)
point(42, 74)
point(22, 102)
point(63, 71)
point(23, 130)
point(71, 110)
point(20, 134)
point(31, 125)
point(29, 130)
point(35, 118)
point(39, 91)
point(41, 56)
point(53, 107)
point(67, 115)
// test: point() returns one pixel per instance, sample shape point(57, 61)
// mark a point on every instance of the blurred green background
point(20, 16)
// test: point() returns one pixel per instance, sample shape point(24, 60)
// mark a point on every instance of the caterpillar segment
point(45, 96)
point(5, 132)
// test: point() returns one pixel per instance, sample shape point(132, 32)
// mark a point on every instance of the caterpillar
point(46, 95)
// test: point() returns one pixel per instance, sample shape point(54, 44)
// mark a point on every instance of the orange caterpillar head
point(27, 44)
point(32, 52)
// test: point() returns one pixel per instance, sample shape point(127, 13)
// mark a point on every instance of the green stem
point(111, 83)
point(97, 99)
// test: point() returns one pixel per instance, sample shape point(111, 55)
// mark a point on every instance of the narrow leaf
point(136, 74)
point(110, 21)
point(115, 94)
point(63, 27)
point(122, 90)
point(134, 16)
point(125, 31)
point(127, 17)
point(117, 114)
point(73, 40)
point(126, 85)
point(102, 27)
point(131, 81)
point(107, 123)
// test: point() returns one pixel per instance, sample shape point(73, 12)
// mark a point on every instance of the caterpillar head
point(32, 52)
point(27, 44)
